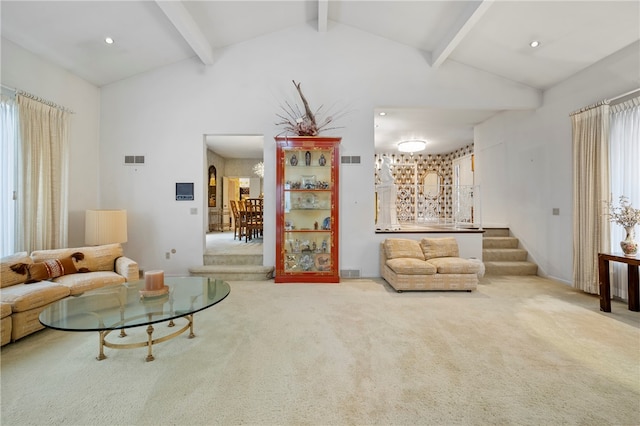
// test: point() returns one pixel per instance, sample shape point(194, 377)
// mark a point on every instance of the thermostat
point(184, 191)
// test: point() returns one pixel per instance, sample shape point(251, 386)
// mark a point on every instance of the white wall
point(22, 70)
point(524, 161)
point(163, 115)
point(523, 158)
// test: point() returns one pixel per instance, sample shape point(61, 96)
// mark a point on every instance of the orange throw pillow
point(51, 268)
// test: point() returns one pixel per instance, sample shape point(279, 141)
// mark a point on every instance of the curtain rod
point(37, 98)
point(8, 87)
point(624, 95)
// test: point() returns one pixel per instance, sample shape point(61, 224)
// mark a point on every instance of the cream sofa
point(428, 264)
point(88, 269)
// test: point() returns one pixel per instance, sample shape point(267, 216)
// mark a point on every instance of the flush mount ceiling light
point(108, 40)
point(534, 43)
point(412, 145)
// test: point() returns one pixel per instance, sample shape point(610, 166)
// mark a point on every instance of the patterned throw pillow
point(7, 276)
point(50, 268)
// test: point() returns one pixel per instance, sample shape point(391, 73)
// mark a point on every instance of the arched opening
point(212, 196)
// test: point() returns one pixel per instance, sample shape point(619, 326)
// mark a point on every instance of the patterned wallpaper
point(403, 170)
point(442, 163)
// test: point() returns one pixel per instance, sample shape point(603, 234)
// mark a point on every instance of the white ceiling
point(236, 146)
point(489, 35)
point(444, 130)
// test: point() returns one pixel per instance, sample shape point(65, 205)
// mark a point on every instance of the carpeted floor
point(518, 351)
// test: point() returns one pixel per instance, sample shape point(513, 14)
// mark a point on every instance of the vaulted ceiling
point(493, 36)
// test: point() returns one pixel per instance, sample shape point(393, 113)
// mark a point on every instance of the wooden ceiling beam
point(466, 21)
point(188, 29)
point(323, 15)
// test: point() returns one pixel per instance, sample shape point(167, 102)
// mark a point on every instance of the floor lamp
point(105, 227)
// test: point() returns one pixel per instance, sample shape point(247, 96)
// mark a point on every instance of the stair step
point(501, 254)
point(510, 268)
point(232, 259)
point(234, 272)
point(500, 242)
point(496, 232)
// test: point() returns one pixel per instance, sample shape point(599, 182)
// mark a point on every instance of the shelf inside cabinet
point(307, 190)
point(307, 262)
point(308, 230)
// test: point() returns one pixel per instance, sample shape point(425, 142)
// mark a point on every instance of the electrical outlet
point(167, 255)
point(556, 211)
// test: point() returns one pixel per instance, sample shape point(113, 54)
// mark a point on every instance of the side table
point(605, 284)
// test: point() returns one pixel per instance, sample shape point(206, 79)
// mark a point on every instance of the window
point(624, 157)
point(35, 145)
point(9, 159)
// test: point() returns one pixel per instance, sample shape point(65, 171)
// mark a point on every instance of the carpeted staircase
point(233, 267)
point(502, 255)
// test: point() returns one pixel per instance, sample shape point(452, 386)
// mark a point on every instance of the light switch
point(194, 210)
point(556, 211)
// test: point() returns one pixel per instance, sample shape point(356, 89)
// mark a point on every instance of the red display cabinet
point(307, 185)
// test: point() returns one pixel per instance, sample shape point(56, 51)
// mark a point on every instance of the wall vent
point(350, 273)
point(133, 160)
point(350, 159)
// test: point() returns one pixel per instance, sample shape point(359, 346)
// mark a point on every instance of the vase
point(629, 246)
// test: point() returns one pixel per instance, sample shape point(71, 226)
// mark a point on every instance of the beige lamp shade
point(105, 227)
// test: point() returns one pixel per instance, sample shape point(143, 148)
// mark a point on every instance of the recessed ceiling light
point(534, 43)
point(383, 113)
point(108, 40)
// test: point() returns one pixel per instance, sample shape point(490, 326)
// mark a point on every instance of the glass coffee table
point(121, 307)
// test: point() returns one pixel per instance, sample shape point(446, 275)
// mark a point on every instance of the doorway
point(234, 159)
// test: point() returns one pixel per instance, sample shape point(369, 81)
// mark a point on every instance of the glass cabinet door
point(307, 186)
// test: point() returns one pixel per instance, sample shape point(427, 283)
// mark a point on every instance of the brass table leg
point(150, 343)
point(101, 355)
point(122, 332)
point(190, 319)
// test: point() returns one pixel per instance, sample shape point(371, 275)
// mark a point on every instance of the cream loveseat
point(428, 264)
point(30, 283)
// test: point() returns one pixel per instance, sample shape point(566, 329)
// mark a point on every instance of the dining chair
point(254, 218)
point(239, 227)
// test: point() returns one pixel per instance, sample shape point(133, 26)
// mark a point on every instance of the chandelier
point(412, 145)
point(258, 169)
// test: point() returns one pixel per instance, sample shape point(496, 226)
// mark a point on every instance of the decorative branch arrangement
point(624, 215)
point(303, 123)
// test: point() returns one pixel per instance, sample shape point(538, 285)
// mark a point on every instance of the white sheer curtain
point(43, 178)
point(624, 155)
point(590, 128)
point(8, 153)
